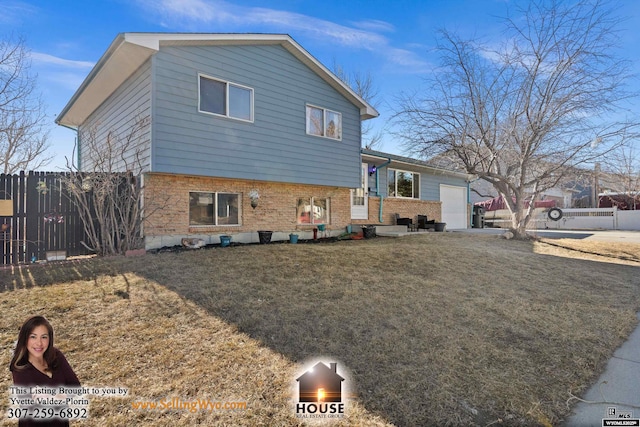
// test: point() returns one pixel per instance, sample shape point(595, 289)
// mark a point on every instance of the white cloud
point(46, 59)
point(200, 15)
point(408, 59)
point(66, 80)
point(375, 25)
point(185, 11)
point(15, 12)
point(63, 73)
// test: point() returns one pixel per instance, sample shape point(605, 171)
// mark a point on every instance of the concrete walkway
point(616, 394)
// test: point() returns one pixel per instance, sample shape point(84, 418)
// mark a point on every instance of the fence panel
point(585, 219)
point(12, 218)
point(628, 220)
point(41, 218)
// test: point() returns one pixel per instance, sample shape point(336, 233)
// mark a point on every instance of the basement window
point(313, 210)
point(214, 208)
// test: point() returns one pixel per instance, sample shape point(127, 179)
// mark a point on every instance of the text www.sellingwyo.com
point(189, 405)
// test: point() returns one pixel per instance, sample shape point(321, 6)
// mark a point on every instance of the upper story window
point(323, 122)
point(404, 184)
point(225, 98)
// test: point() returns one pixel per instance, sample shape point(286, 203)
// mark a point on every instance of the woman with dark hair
point(36, 362)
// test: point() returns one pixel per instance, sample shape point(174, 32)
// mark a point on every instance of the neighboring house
point(222, 118)
point(482, 190)
point(609, 189)
point(563, 194)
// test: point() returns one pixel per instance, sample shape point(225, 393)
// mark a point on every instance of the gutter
point(469, 199)
point(113, 47)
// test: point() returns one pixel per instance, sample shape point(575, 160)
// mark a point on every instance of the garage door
point(454, 206)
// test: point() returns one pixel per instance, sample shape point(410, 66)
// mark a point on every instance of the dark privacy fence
point(37, 215)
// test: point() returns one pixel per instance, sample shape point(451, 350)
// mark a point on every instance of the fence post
point(33, 225)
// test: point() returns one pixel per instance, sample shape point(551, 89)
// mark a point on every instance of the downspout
point(378, 188)
point(469, 204)
point(469, 200)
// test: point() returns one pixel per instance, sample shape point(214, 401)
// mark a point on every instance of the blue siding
point(117, 116)
point(275, 147)
point(429, 182)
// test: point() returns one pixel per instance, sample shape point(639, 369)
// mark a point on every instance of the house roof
point(320, 370)
point(130, 50)
point(415, 162)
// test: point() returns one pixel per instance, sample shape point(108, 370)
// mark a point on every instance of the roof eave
point(366, 110)
point(120, 61)
point(129, 51)
point(418, 164)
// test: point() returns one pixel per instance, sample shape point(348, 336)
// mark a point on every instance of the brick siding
point(167, 205)
point(406, 208)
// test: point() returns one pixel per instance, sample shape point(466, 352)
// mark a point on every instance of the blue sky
point(391, 40)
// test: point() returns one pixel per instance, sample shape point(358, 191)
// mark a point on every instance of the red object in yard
point(622, 201)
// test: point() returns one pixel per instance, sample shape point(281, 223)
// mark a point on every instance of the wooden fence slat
point(29, 236)
point(6, 235)
point(18, 241)
point(33, 225)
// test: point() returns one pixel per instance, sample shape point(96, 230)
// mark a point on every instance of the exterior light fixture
point(254, 195)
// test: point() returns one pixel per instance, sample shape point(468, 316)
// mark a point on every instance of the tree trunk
point(519, 219)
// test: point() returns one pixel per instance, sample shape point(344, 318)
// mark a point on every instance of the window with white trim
point(224, 98)
point(323, 122)
point(313, 210)
point(214, 208)
point(403, 184)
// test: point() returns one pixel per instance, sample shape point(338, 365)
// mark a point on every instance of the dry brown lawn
point(436, 329)
point(618, 252)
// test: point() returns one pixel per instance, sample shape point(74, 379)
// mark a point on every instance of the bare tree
point(110, 194)
point(526, 114)
point(23, 129)
point(364, 87)
point(619, 173)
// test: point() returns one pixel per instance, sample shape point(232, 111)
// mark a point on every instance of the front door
point(359, 197)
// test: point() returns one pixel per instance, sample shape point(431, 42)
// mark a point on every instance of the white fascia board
point(366, 110)
point(130, 50)
point(121, 60)
point(431, 169)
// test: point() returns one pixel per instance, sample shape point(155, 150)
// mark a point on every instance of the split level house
point(236, 133)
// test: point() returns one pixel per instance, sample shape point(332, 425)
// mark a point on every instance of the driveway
point(599, 235)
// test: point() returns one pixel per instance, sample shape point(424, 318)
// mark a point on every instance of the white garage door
point(454, 206)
